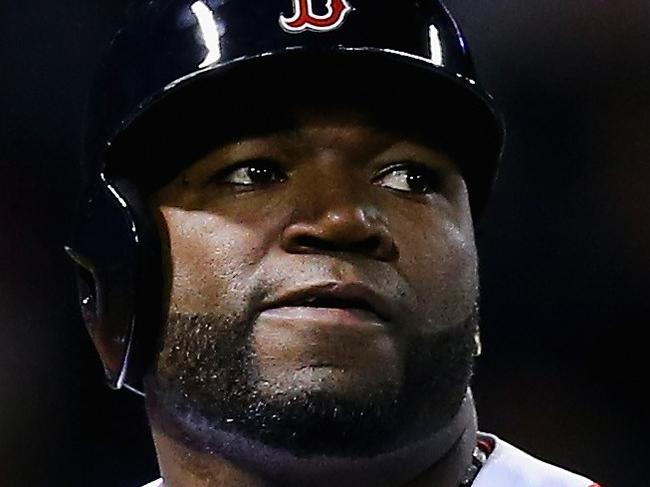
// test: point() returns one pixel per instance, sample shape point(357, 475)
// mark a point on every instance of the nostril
point(369, 244)
point(311, 242)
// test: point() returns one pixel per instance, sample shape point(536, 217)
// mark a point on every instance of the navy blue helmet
point(182, 67)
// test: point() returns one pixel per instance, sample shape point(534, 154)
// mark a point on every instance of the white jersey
point(508, 466)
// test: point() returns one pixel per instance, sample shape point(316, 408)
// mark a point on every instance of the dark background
point(565, 245)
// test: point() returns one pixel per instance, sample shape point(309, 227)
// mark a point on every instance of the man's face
point(323, 289)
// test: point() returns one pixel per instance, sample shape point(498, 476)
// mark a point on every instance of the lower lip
point(325, 316)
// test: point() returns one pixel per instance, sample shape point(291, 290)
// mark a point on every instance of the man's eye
point(410, 178)
point(251, 172)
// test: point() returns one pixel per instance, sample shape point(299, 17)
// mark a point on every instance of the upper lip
point(345, 295)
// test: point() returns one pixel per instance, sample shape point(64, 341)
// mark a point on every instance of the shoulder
point(155, 483)
point(508, 466)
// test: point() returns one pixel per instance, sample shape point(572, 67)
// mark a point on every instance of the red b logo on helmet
point(305, 18)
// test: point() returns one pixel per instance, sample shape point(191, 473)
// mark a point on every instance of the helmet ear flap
point(104, 250)
point(150, 299)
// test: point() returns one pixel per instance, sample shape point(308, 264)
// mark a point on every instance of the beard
point(206, 386)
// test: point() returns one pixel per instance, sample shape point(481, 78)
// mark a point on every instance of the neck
point(441, 461)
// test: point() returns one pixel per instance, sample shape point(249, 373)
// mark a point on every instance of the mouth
point(337, 300)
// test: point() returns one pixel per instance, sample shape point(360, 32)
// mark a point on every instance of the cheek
point(211, 257)
point(441, 265)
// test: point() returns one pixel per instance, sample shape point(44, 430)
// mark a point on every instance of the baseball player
point(275, 245)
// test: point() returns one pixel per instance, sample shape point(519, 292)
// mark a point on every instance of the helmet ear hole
point(87, 288)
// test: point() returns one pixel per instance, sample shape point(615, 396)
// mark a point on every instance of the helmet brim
point(449, 106)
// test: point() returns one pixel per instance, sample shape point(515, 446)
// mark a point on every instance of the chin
point(235, 396)
point(348, 383)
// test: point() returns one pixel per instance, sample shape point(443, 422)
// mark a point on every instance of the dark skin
point(326, 260)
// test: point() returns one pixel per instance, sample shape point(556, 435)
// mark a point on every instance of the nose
point(333, 217)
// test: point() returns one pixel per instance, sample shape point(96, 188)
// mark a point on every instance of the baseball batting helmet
point(177, 55)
